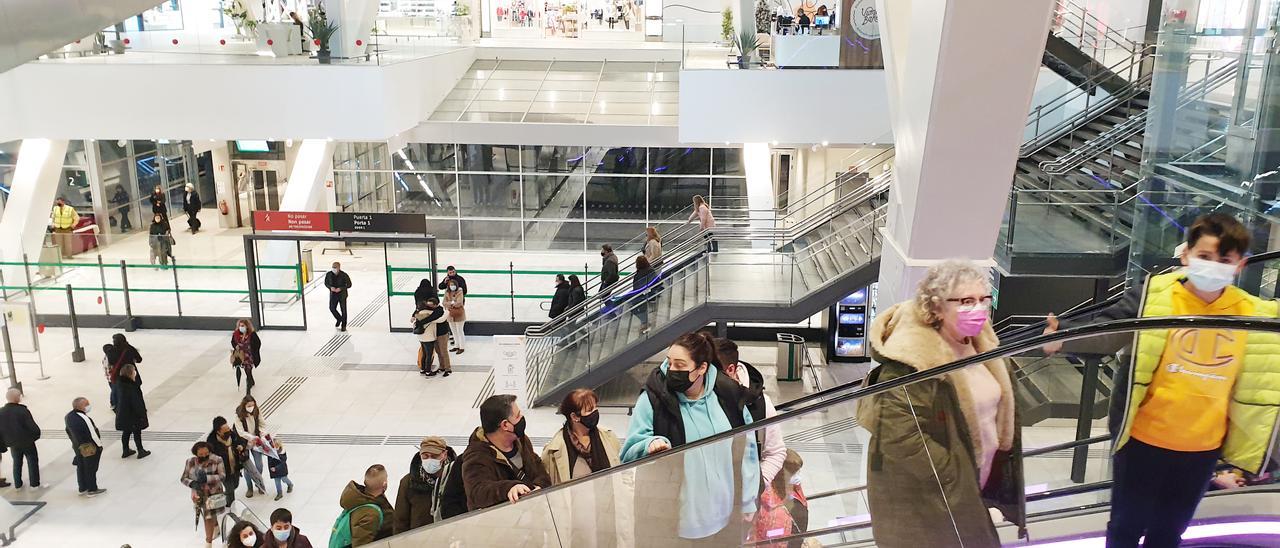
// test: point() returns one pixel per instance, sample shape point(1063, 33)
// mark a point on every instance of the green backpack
point(340, 536)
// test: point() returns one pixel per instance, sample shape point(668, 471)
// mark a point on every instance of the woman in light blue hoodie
point(686, 399)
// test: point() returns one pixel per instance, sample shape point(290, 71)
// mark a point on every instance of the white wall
point(699, 25)
point(224, 102)
point(787, 106)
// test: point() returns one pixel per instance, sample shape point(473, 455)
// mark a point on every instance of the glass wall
point(536, 197)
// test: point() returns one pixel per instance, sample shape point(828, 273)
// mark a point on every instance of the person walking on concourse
point(338, 283)
point(86, 446)
point(19, 432)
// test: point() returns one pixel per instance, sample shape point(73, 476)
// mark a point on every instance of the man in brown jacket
point(366, 525)
point(500, 464)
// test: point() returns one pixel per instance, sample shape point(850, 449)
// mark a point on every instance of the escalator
point(31, 28)
point(798, 271)
point(1066, 472)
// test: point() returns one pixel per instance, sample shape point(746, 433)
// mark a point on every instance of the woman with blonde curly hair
point(944, 449)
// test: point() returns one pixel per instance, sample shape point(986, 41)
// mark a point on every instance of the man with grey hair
point(19, 432)
point(86, 446)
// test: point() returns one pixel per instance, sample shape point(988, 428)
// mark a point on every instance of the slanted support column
point(26, 215)
point(311, 169)
point(960, 80)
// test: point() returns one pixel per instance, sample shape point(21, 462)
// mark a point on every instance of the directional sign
point(391, 223)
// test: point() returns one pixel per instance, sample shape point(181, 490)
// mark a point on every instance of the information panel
point(394, 223)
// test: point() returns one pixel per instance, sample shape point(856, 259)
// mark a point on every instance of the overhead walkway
point(810, 258)
point(641, 504)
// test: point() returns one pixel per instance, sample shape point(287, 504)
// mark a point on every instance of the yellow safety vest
point(1255, 401)
point(64, 216)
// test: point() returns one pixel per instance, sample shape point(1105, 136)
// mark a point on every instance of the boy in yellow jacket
point(1190, 396)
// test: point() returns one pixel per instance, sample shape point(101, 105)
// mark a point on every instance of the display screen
point(253, 146)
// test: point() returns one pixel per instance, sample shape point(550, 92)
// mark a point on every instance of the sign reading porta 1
point(391, 223)
point(311, 221)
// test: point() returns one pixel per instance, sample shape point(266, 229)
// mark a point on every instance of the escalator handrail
point(697, 244)
point(1004, 351)
point(1039, 326)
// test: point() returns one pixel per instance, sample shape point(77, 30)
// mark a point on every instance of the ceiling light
point(824, 143)
point(774, 143)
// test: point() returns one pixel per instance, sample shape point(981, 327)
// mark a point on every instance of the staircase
point(802, 269)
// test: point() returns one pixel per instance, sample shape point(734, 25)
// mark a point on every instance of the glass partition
point(277, 276)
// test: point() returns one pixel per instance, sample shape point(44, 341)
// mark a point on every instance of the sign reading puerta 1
point(313, 221)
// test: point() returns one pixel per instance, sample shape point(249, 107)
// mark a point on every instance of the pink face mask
point(970, 320)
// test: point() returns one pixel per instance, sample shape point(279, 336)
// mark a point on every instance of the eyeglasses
point(970, 301)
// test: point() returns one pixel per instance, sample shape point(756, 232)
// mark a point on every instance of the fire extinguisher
point(222, 207)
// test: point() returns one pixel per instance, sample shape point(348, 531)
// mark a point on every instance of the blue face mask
point(282, 536)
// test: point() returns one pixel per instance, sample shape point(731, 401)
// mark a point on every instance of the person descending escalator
point(710, 491)
point(1185, 407)
point(944, 449)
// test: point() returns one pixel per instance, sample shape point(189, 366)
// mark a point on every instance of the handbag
point(216, 501)
point(455, 313)
point(87, 449)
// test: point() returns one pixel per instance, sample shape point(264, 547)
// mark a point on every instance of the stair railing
point(1044, 132)
point(1078, 25)
point(1193, 93)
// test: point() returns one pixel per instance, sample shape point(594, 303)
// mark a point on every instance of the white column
point(26, 216)
point(960, 84)
point(312, 167)
point(757, 163)
point(97, 194)
point(355, 21)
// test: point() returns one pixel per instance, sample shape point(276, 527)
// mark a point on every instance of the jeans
point(336, 301)
point(286, 481)
point(33, 465)
point(115, 394)
point(87, 472)
point(1155, 493)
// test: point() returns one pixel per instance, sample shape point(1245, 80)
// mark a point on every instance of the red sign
point(315, 221)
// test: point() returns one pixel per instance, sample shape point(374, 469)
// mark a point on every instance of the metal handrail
point(1065, 10)
point(1268, 325)
point(1197, 91)
point(696, 242)
point(1137, 86)
point(867, 223)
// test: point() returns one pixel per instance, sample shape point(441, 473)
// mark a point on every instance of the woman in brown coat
point(944, 449)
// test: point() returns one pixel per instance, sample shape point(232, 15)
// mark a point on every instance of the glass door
point(410, 270)
point(277, 282)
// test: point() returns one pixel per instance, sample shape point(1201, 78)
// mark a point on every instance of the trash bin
point(50, 255)
point(790, 360)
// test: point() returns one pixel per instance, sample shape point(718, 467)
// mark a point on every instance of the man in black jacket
point(451, 273)
point(84, 436)
point(560, 301)
point(608, 267)
point(19, 432)
point(338, 283)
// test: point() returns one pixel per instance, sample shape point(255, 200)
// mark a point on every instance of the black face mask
point(679, 381)
point(592, 420)
point(519, 431)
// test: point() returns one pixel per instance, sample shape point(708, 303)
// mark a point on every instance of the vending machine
point(849, 320)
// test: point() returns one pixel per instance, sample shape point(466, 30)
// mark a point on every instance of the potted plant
point(245, 25)
point(321, 31)
point(747, 43)
point(726, 25)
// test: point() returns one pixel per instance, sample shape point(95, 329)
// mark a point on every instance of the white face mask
point(431, 466)
point(1208, 275)
point(334, 270)
point(453, 287)
point(250, 408)
point(87, 409)
point(243, 329)
point(250, 540)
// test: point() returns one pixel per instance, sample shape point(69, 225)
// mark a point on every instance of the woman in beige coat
point(455, 301)
point(599, 508)
point(945, 449)
point(653, 246)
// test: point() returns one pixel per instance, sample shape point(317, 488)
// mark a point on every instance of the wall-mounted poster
point(860, 35)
